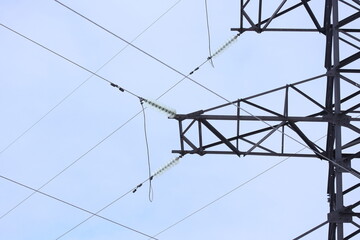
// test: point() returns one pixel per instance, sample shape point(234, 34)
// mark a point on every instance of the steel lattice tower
point(338, 114)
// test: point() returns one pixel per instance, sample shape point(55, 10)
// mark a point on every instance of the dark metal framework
point(265, 130)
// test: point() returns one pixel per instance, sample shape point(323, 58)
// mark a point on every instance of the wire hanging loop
point(208, 32)
point(151, 192)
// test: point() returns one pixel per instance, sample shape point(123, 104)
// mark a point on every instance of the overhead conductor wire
point(93, 74)
point(203, 86)
point(74, 206)
point(81, 84)
point(108, 136)
point(152, 56)
point(71, 61)
point(133, 190)
point(175, 161)
point(70, 165)
point(112, 84)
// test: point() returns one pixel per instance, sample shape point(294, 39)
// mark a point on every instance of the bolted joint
point(342, 120)
point(333, 72)
point(338, 119)
point(343, 216)
point(200, 151)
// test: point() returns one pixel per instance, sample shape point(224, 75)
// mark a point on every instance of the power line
point(186, 76)
point(103, 208)
point(97, 144)
point(69, 60)
point(70, 165)
point(41, 118)
point(75, 206)
point(150, 178)
point(133, 190)
point(84, 154)
point(67, 96)
point(81, 84)
point(143, 51)
point(122, 39)
point(101, 141)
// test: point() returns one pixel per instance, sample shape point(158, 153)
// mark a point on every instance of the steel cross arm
point(259, 154)
point(280, 120)
point(256, 118)
point(202, 149)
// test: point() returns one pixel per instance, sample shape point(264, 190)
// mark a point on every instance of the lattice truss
point(320, 114)
point(266, 124)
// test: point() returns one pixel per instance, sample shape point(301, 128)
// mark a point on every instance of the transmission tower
point(266, 130)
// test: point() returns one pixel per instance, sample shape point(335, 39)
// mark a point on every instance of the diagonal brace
point(220, 136)
point(305, 139)
point(264, 138)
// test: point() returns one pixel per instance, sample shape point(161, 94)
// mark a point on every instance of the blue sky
point(282, 203)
